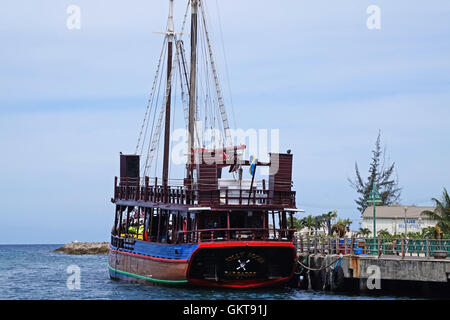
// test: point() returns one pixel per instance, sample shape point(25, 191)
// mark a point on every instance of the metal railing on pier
point(368, 246)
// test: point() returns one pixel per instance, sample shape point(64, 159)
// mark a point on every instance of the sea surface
point(36, 272)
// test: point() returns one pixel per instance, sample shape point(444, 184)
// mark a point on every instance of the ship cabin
point(210, 209)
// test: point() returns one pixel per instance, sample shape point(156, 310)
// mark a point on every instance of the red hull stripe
point(150, 257)
point(244, 243)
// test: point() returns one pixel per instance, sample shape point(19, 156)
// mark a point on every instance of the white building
point(397, 219)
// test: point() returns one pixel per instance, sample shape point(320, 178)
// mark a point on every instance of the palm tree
point(307, 222)
point(341, 227)
point(384, 234)
point(327, 218)
point(442, 213)
point(297, 224)
point(364, 232)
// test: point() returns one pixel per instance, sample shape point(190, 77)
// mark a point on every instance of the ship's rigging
point(195, 85)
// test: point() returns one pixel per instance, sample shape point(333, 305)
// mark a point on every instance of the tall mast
point(170, 35)
point(192, 87)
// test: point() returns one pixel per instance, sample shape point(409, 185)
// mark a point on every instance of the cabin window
point(162, 225)
point(154, 226)
point(238, 219)
point(217, 220)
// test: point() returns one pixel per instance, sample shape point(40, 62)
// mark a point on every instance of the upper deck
point(129, 190)
point(210, 190)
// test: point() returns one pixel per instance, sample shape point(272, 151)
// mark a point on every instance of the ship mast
point(170, 39)
point(192, 87)
point(190, 84)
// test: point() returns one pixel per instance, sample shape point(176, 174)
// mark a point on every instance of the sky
point(71, 100)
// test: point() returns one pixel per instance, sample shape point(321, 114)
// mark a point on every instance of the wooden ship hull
point(143, 266)
point(205, 264)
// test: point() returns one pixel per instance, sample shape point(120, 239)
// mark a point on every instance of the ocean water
point(35, 272)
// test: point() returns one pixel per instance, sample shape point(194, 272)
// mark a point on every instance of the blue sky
point(70, 100)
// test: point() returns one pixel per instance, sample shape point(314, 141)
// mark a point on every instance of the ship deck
point(131, 192)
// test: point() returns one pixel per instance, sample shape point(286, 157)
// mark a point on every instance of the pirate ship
point(204, 229)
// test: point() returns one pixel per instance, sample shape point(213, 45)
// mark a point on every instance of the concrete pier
point(391, 267)
point(364, 273)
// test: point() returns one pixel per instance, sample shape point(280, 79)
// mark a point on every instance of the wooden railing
point(235, 234)
point(131, 189)
point(211, 235)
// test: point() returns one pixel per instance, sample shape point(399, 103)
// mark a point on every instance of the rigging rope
point(226, 63)
point(156, 134)
point(154, 113)
point(151, 96)
point(152, 131)
point(214, 104)
point(184, 82)
point(216, 81)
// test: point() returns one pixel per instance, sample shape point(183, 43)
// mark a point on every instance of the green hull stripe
point(147, 278)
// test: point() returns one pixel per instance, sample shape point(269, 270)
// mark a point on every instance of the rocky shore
point(84, 248)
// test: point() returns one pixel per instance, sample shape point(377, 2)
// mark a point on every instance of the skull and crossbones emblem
point(242, 265)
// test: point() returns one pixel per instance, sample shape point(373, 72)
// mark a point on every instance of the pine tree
point(382, 175)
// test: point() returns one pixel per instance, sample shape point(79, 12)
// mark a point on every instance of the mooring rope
point(321, 268)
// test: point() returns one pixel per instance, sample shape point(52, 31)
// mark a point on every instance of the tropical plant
point(327, 218)
point(306, 222)
point(297, 223)
point(428, 232)
point(331, 214)
point(311, 223)
point(364, 232)
point(442, 213)
point(341, 227)
point(379, 173)
point(384, 234)
point(414, 235)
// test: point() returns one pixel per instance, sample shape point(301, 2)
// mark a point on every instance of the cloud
point(71, 100)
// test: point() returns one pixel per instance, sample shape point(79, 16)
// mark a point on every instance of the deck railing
point(211, 235)
point(132, 189)
point(235, 234)
point(369, 246)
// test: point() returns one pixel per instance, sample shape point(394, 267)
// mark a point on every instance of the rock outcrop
point(84, 248)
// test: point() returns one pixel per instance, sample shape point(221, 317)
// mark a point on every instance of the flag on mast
point(253, 161)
